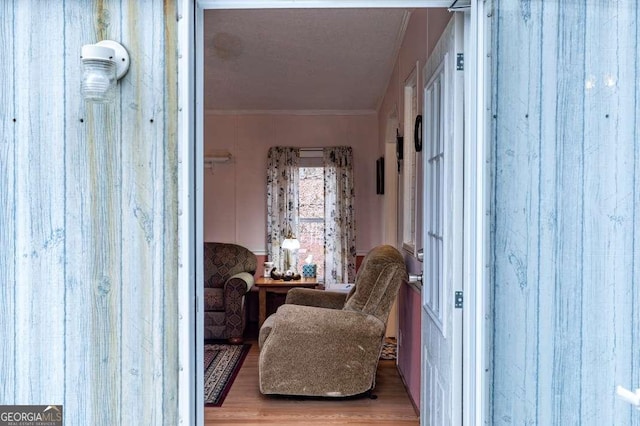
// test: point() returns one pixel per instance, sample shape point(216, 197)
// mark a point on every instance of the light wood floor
point(245, 405)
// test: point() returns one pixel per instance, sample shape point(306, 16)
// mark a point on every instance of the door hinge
point(460, 62)
point(459, 300)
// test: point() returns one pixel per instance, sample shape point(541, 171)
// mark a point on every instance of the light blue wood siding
point(566, 211)
point(88, 214)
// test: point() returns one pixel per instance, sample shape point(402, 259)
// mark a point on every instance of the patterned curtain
point(339, 214)
point(282, 200)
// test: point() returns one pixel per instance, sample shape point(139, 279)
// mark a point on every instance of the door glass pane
point(434, 198)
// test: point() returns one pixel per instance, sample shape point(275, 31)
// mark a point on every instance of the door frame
point(190, 210)
point(475, 323)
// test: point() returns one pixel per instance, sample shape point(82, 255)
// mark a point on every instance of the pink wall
point(409, 340)
point(424, 30)
point(235, 192)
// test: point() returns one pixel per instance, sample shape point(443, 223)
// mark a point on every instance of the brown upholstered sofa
point(322, 343)
point(228, 276)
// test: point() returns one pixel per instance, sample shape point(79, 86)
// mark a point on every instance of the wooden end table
point(269, 285)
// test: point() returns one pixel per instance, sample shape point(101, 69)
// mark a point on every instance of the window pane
point(312, 240)
point(311, 220)
point(311, 192)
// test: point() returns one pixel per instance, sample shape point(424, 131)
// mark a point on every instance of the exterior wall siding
point(565, 237)
point(88, 211)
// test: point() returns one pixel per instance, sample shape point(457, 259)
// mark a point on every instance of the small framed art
point(380, 176)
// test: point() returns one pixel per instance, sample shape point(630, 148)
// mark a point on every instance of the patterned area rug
point(221, 365)
point(389, 348)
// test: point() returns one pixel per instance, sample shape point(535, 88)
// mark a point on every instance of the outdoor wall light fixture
point(103, 63)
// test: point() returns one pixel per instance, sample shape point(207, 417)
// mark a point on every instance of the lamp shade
point(291, 244)
point(99, 74)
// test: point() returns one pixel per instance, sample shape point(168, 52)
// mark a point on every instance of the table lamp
point(289, 244)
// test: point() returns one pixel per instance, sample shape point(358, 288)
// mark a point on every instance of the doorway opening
point(226, 47)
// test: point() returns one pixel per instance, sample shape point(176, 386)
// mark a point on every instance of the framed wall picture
point(380, 176)
point(399, 148)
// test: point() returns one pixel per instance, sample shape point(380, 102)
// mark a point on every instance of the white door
point(441, 382)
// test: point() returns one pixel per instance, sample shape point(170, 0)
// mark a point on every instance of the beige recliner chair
point(322, 343)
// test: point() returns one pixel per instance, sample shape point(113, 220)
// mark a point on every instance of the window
point(311, 216)
point(310, 193)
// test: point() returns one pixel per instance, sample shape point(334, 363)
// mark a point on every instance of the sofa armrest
point(242, 281)
point(235, 289)
point(318, 298)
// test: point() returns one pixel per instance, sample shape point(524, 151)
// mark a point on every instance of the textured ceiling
point(299, 59)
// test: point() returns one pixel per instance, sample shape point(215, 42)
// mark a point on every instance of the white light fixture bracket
point(121, 57)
